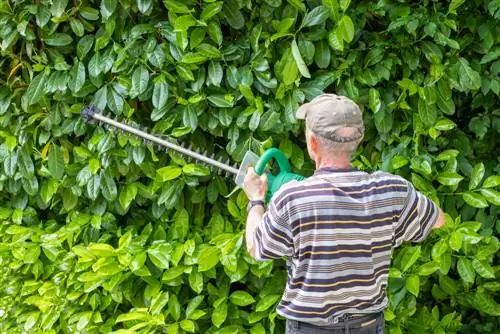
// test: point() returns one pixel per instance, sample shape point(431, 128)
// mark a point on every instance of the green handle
point(284, 176)
point(272, 153)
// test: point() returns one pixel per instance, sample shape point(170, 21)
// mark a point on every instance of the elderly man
point(336, 228)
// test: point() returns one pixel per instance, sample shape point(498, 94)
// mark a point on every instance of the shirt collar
point(329, 170)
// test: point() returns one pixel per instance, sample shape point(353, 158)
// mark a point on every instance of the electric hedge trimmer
point(91, 114)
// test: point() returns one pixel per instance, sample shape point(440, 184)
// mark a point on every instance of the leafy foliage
point(99, 233)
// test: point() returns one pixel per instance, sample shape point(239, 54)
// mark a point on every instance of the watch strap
point(253, 203)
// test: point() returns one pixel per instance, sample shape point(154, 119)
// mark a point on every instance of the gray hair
point(343, 140)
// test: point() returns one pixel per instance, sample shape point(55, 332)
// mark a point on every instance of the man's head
point(334, 126)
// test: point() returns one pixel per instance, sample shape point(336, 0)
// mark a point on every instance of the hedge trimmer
point(91, 113)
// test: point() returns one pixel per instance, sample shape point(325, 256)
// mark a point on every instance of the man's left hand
point(255, 186)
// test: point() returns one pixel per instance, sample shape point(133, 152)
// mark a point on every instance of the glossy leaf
point(300, 62)
point(477, 176)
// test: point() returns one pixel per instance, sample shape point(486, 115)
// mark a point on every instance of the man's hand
point(255, 186)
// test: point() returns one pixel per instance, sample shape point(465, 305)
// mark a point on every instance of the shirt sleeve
point(273, 236)
point(418, 215)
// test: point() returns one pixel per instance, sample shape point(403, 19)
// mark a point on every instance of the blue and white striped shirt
point(337, 230)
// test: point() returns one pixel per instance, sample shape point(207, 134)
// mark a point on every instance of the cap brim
point(302, 111)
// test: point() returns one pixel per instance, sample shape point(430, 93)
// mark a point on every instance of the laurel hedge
point(100, 233)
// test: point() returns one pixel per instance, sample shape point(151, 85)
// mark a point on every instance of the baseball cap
point(327, 113)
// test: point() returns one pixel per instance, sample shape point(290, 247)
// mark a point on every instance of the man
point(336, 228)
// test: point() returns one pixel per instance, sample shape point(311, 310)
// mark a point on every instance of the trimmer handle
point(284, 175)
point(272, 153)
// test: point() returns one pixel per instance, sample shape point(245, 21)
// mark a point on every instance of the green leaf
point(455, 241)
point(439, 249)
point(58, 7)
point(26, 167)
point(173, 273)
point(219, 314)
point(127, 195)
point(298, 59)
point(491, 181)
point(107, 8)
point(476, 176)
point(195, 170)
point(254, 121)
point(410, 256)
point(131, 316)
point(160, 255)
point(144, 5)
point(447, 155)
point(445, 125)
point(36, 88)
point(483, 268)
point(374, 100)
point(428, 268)
point(233, 14)
point(193, 305)
point(77, 77)
point(160, 95)
point(102, 250)
point(56, 162)
point(468, 78)
point(335, 39)
point(114, 101)
point(48, 190)
point(241, 298)
point(159, 302)
point(209, 51)
point(215, 32)
point(174, 307)
point(466, 270)
point(188, 325)
point(290, 71)
point(454, 4)
point(346, 28)
point(215, 74)
point(413, 284)
point(196, 281)
point(491, 195)
point(220, 101)
point(266, 302)
point(208, 258)
point(210, 10)
point(169, 173)
point(322, 55)
point(176, 6)
point(140, 80)
point(427, 112)
point(475, 200)
point(448, 285)
point(449, 178)
point(344, 4)
point(184, 22)
point(333, 8)
point(59, 39)
point(109, 190)
point(316, 16)
point(193, 58)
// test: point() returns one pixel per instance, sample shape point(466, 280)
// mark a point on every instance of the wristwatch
point(251, 204)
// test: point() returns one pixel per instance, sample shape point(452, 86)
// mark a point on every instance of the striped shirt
point(336, 230)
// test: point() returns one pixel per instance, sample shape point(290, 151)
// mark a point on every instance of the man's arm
point(440, 219)
point(268, 234)
point(254, 219)
point(419, 215)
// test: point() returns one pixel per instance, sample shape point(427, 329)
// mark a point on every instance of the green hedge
point(99, 233)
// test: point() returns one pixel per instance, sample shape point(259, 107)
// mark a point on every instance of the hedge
point(100, 233)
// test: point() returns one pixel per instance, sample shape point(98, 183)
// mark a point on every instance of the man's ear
point(313, 146)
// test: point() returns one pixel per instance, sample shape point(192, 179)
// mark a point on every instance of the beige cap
point(327, 113)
